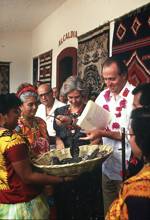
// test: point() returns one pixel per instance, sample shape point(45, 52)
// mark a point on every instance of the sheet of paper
point(93, 116)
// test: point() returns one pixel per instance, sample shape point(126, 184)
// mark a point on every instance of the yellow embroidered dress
point(134, 198)
point(17, 199)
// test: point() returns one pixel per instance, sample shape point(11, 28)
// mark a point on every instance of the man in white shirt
point(118, 100)
point(47, 107)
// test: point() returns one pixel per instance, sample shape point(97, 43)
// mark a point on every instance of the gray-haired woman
point(33, 128)
point(83, 195)
point(75, 91)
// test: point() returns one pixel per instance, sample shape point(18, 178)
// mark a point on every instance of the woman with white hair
point(30, 126)
point(66, 130)
point(81, 198)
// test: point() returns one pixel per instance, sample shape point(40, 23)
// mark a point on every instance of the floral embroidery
point(115, 125)
point(136, 189)
point(125, 93)
point(118, 114)
point(118, 109)
point(107, 95)
point(35, 134)
point(106, 107)
point(123, 103)
point(8, 141)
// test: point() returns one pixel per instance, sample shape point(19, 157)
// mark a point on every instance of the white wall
point(16, 48)
point(74, 15)
point(77, 15)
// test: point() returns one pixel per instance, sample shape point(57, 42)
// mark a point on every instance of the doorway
point(66, 65)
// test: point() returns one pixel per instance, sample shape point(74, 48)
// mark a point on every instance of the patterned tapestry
point(93, 50)
point(4, 77)
point(45, 67)
point(131, 43)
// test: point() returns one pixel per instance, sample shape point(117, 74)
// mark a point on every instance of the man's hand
point(94, 134)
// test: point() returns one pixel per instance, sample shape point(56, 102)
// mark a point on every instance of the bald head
point(44, 86)
point(45, 94)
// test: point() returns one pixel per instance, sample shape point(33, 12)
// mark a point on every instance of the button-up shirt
point(120, 108)
point(41, 112)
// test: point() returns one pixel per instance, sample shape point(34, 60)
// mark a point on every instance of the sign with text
point(70, 34)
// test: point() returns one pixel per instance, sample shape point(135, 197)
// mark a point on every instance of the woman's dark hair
point(8, 102)
point(122, 68)
point(144, 89)
point(141, 129)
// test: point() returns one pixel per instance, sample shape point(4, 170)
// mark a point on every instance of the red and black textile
point(131, 43)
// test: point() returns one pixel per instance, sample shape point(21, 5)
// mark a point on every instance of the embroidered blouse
point(36, 135)
point(134, 198)
point(12, 190)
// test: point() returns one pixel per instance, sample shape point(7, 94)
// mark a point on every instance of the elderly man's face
point(45, 95)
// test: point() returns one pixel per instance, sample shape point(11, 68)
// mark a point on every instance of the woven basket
point(43, 163)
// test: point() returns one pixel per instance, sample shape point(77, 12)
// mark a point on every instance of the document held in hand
point(93, 116)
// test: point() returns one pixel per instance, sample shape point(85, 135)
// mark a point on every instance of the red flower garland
point(106, 107)
point(122, 105)
point(115, 125)
point(107, 95)
point(126, 92)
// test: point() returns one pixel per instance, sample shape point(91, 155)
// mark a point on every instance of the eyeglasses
point(45, 94)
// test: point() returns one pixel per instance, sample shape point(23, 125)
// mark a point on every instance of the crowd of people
point(35, 120)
